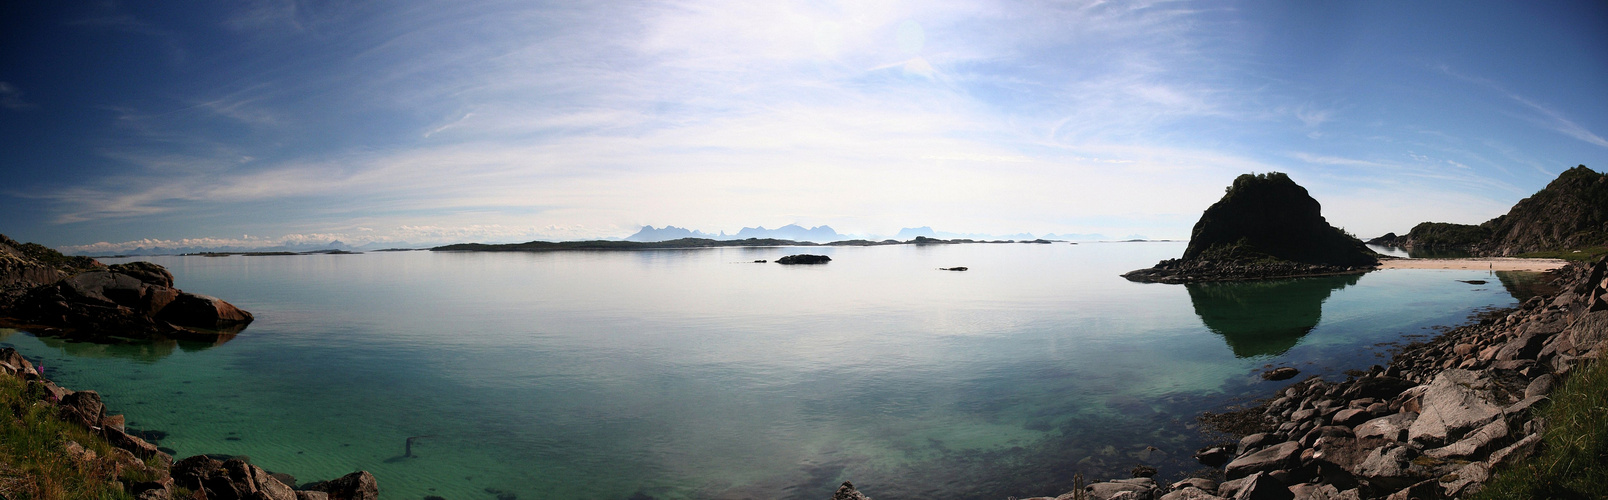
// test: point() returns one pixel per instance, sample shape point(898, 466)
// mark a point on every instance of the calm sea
point(701, 374)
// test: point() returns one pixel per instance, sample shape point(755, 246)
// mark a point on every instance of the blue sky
point(257, 123)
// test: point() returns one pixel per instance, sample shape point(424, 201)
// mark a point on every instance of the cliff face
point(1270, 216)
point(1571, 212)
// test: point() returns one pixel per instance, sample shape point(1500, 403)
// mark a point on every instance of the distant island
point(548, 246)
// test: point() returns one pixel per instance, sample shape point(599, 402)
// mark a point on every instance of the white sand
point(1492, 263)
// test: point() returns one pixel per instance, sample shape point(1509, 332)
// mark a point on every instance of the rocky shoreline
point(1434, 423)
point(1178, 271)
point(202, 476)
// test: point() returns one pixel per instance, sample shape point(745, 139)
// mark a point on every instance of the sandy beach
point(1492, 263)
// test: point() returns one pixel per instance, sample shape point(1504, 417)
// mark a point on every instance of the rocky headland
point(1570, 213)
point(1265, 226)
point(80, 297)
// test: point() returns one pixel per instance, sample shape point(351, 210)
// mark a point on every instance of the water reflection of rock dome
point(1269, 317)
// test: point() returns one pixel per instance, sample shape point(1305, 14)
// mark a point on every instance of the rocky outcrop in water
point(128, 300)
point(233, 479)
point(804, 259)
point(1433, 424)
point(1570, 213)
point(1266, 226)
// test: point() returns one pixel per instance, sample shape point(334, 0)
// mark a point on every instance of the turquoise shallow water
point(699, 374)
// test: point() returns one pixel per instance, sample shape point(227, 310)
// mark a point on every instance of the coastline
point(1442, 417)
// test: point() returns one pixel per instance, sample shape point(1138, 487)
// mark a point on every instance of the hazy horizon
point(298, 122)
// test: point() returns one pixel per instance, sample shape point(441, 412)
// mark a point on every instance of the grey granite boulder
point(1456, 402)
point(1273, 458)
point(1261, 486)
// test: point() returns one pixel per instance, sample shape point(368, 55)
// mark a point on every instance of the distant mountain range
point(825, 234)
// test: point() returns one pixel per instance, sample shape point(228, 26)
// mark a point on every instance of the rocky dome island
point(1266, 226)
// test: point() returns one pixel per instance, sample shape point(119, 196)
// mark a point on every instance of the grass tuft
point(1573, 462)
point(34, 462)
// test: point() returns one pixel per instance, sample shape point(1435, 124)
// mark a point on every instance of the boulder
point(1541, 386)
point(1261, 486)
point(83, 408)
point(360, 485)
point(1142, 487)
point(1474, 443)
point(233, 479)
point(146, 272)
point(1351, 417)
point(1280, 373)
point(1189, 493)
point(1392, 427)
point(1456, 402)
point(201, 311)
point(1279, 456)
point(1387, 466)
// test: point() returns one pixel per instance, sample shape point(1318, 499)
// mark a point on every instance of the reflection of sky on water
point(699, 374)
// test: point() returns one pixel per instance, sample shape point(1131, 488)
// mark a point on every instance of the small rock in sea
point(962, 268)
point(804, 259)
point(1280, 373)
point(1143, 471)
point(761, 261)
point(1214, 456)
point(1473, 282)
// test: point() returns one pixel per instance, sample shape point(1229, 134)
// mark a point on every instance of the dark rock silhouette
point(125, 300)
point(804, 259)
point(1270, 216)
point(1266, 317)
point(1265, 226)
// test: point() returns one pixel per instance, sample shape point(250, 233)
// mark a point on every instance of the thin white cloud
point(1549, 118)
point(11, 97)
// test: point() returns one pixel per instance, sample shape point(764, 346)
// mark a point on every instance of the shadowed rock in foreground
point(1266, 226)
point(42, 288)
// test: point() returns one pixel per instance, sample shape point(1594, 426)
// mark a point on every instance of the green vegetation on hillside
point(43, 456)
point(1445, 235)
point(1573, 462)
point(1587, 254)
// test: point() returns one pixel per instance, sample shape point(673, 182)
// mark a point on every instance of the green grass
point(34, 463)
point(1586, 254)
point(1573, 462)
